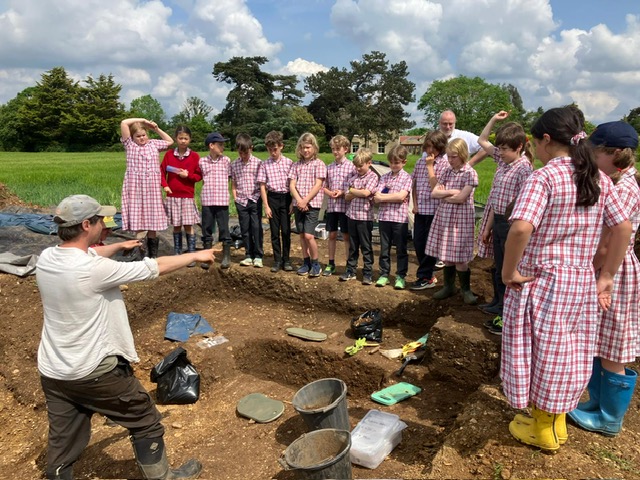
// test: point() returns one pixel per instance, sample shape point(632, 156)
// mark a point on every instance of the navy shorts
point(337, 221)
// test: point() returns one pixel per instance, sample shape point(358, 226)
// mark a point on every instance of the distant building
point(413, 143)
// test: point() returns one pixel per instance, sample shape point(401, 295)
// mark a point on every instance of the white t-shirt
point(470, 138)
point(85, 318)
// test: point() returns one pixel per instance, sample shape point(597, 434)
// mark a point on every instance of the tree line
point(368, 98)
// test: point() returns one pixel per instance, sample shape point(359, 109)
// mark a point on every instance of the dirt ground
point(457, 425)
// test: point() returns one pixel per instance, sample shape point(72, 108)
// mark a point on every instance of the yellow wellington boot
point(560, 425)
point(540, 433)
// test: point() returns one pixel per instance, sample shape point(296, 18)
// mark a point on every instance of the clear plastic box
point(374, 437)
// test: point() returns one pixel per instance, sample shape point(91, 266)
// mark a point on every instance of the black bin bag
point(177, 379)
point(368, 325)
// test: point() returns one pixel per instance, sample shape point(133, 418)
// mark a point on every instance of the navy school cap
point(214, 137)
point(615, 134)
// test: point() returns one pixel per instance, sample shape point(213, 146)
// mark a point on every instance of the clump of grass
point(619, 462)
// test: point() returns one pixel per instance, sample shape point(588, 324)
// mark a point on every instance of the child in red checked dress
point(612, 384)
point(142, 208)
point(451, 236)
point(551, 318)
point(180, 173)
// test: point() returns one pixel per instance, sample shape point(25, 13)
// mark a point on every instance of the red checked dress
point(451, 237)
point(180, 204)
point(550, 327)
point(620, 327)
point(142, 207)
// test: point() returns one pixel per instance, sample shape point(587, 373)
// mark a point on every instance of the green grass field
point(46, 178)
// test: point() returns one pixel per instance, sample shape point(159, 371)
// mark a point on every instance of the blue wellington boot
point(616, 392)
point(593, 387)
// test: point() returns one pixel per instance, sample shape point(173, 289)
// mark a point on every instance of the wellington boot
point(191, 246)
point(152, 247)
point(494, 301)
point(449, 288)
point(593, 388)
point(616, 392)
point(226, 256)
point(177, 243)
point(560, 425)
point(465, 285)
point(540, 433)
point(152, 461)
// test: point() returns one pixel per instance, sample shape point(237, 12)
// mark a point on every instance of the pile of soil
point(457, 425)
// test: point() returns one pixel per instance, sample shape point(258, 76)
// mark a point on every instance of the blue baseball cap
point(615, 134)
point(214, 137)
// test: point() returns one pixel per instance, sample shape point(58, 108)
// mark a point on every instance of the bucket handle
point(284, 463)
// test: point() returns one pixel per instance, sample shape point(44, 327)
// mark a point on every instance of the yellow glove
point(356, 347)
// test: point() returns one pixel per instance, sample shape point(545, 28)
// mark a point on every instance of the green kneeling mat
point(260, 408)
point(395, 393)
point(306, 334)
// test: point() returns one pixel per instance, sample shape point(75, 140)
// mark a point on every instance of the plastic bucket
point(323, 404)
point(319, 455)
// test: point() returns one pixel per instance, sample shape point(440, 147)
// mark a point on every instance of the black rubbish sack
point(368, 325)
point(177, 379)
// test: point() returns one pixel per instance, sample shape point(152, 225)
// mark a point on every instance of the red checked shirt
point(361, 208)
point(305, 174)
point(338, 175)
point(215, 181)
point(180, 187)
point(245, 176)
point(391, 211)
point(508, 181)
point(420, 175)
point(275, 174)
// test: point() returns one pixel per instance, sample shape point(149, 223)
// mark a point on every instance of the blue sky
point(554, 51)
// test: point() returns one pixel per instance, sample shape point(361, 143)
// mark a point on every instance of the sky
point(554, 51)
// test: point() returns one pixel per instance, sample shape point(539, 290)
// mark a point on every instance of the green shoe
point(400, 283)
point(329, 270)
point(382, 281)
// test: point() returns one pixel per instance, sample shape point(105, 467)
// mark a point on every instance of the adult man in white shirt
point(448, 127)
point(87, 345)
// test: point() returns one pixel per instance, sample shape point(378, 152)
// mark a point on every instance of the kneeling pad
point(307, 334)
point(260, 408)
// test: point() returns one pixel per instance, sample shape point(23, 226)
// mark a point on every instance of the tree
point(12, 135)
point(286, 90)
point(96, 115)
point(473, 101)
point(194, 107)
point(149, 108)
point(368, 100)
point(416, 132)
point(633, 118)
point(253, 90)
point(40, 116)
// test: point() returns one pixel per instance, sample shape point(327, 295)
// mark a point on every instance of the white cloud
point(302, 68)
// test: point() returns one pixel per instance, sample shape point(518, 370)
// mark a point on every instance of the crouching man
point(87, 345)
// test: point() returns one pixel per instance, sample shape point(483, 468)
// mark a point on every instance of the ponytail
point(564, 125)
point(527, 151)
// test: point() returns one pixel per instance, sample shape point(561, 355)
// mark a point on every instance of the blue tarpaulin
point(38, 223)
point(180, 326)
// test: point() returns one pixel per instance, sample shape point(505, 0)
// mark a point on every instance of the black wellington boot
point(226, 256)
point(177, 243)
point(152, 247)
point(152, 461)
point(191, 246)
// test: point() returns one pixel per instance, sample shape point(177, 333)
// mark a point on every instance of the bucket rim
point(290, 465)
point(325, 408)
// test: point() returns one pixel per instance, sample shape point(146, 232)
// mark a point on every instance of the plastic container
point(320, 455)
point(375, 436)
point(323, 404)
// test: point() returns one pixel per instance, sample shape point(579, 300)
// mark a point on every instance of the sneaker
point(304, 270)
point(489, 323)
point(316, 270)
point(367, 280)
point(496, 328)
point(439, 265)
point(424, 283)
point(257, 263)
point(247, 262)
point(382, 281)
point(329, 270)
point(287, 267)
point(400, 283)
point(348, 275)
point(275, 268)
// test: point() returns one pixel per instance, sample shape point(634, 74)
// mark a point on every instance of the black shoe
point(275, 268)
point(287, 267)
point(495, 310)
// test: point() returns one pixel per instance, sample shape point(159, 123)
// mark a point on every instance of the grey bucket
point(323, 404)
point(319, 455)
